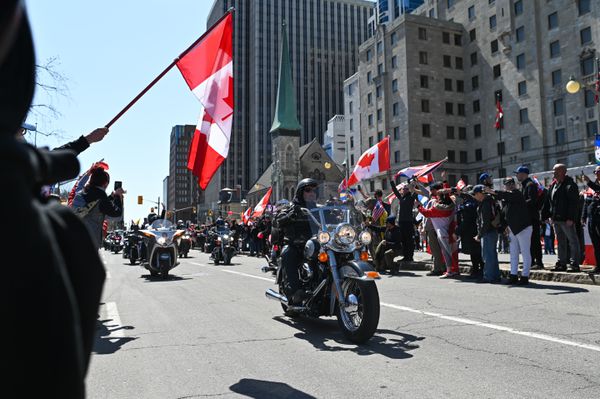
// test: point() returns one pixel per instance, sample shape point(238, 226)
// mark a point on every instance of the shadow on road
point(563, 289)
point(267, 389)
point(104, 343)
point(158, 279)
point(326, 335)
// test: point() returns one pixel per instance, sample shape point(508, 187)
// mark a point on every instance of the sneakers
point(559, 267)
point(449, 274)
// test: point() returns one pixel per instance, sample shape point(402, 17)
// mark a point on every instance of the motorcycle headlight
point(345, 234)
point(226, 237)
point(324, 237)
point(161, 241)
point(365, 237)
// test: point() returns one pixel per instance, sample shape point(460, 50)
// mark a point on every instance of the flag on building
point(208, 71)
point(423, 173)
point(259, 209)
point(499, 114)
point(373, 161)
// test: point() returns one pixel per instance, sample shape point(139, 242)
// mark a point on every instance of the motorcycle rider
point(296, 228)
point(180, 225)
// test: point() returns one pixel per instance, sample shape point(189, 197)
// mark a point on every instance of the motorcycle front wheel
point(359, 322)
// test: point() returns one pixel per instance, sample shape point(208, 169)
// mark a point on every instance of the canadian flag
point(246, 215)
point(373, 161)
point(423, 173)
point(461, 184)
point(259, 209)
point(499, 114)
point(208, 70)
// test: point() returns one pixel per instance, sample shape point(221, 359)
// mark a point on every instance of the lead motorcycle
point(223, 250)
point(160, 247)
point(336, 273)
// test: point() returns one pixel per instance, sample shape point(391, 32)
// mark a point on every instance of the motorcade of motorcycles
point(336, 273)
point(117, 241)
point(224, 249)
point(132, 246)
point(160, 242)
point(184, 244)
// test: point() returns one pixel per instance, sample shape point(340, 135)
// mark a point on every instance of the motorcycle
point(160, 241)
point(224, 248)
point(132, 247)
point(116, 242)
point(336, 274)
point(184, 245)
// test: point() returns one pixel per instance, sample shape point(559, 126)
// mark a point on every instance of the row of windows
point(449, 108)
point(447, 60)
point(445, 37)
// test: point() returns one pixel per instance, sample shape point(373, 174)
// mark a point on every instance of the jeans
point(567, 237)
point(520, 243)
point(491, 270)
point(549, 245)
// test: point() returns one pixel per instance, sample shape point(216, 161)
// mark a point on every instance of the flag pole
point(167, 69)
point(500, 134)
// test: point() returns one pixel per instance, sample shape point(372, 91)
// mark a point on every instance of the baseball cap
point(508, 180)
point(478, 188)
point(522, 169)
point(484, 176)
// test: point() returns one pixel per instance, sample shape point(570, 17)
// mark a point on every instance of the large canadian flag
point(259, 209)
point(373, 161)
point(208, 70)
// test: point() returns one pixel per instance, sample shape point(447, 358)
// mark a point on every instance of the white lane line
point(112, 313)
point(199, 264)
point(510, 330)
point(249, 275)
point(107, 274)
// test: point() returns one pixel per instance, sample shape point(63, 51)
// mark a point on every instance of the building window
point(371, 141)
point(370, 98)
point(522, 87)
point(585, 35)
point(473, 59)
point(369, 55)
point(589, 98)
point(462, 133)
point(525, 143)
point(498, 96)
point(458, 62)
point(558, 107)
point(553, 21)
point(476, 107)
point(457, 40)
point(447, 61)
point(520, 61)
point(378, 91)
point(379, 69)
point(426, 130)
point(369, 77)
point(451, 157)
point(445, 37)
point(471, 13)
point(463, 157)
point(477, 130)
point(379, 136)
point(352, 159)
point(426, 154)
point(449, 109)
point(351, 141)
point(520, 34)
point(379, 47)
point(370, 119)
point(478, 154)
point(424, 81)
point(497, 71)
point(422, 34)
point(494, 46)
point(555, 49)
point(396, 109)
point(591, 128)
point(396, 133)
point(351, 125)
point(523, 116)
point(395, 85)
point(379, 114)
point(556, 78)
point(450, 132)
point(450, 3)
point(422, 57)
point(518, 7)
point(583, 6)
point(396, 157)
point(560, 136)
point(474, 82)
point(460, 109)
point(394, 62)
point(587, 66)
point(448, 84)
point(460, 86)
point(425, 106)
point(394, 38)
point(493, 22)
point(472, 35)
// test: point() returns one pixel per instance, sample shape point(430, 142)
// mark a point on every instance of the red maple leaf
point(229, 99)
point(366, 161)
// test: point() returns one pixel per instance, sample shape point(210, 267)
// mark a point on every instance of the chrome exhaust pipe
point(270, 294)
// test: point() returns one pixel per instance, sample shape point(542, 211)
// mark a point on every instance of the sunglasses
point(309, 189)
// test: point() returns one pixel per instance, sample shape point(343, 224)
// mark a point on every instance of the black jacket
point(392, 237)
point(466, 228)
point(516, 211)
point(561, 202)
point(591, 209)
point(79, 145)
point(485, 215)
point(295, 225)
point(529, 190)
point(406, 204)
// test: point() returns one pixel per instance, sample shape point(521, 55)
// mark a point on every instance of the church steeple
point(285, 121)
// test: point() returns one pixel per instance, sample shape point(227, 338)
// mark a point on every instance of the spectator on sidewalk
point(390, 247)
point(405, 219)
point(430, 232)
point(561, 207)
point(488, 220)
point(534, 198)
point(548, 233)
point(486, 180)
point(591, 215)
point(519, 229)
point(467, 230)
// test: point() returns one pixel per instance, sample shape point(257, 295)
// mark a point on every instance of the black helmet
point(302, 184)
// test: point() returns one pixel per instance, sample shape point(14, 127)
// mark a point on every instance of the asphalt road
point(209, 331)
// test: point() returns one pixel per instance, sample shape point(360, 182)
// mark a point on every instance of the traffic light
point(140, 199)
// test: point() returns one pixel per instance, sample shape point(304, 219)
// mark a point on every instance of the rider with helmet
point(296, 228)
point(180, 225)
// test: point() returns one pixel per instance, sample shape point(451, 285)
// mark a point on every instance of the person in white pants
point(520, 229)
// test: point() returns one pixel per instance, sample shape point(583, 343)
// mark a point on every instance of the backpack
point(80, 207)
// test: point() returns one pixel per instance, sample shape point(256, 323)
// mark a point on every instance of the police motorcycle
point(335, 273)
point(160, 247)
point(184, 243)
point(224, 248)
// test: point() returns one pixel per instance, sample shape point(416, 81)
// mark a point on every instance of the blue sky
point(109, 51)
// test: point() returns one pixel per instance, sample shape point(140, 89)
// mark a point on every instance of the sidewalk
point(423, 261)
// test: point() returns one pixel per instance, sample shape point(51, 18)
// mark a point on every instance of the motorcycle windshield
point(162, 224)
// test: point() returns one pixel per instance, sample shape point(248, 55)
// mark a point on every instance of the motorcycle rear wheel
point(360, 325)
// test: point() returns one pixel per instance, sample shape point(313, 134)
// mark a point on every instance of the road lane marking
point(112, 313)
point(270, 280)
point(510, 330)
point(107, 274)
